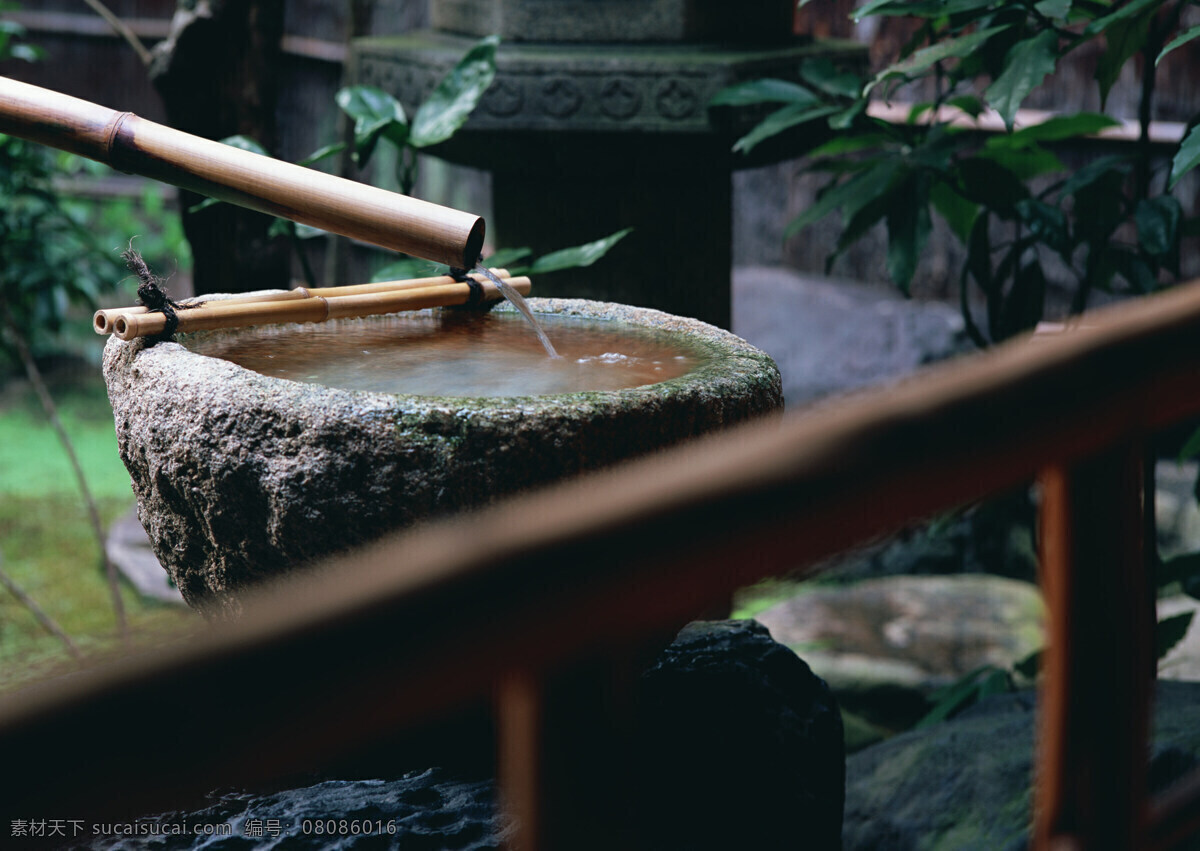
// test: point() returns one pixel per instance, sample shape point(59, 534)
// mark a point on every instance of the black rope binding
point(475, 298)
point(475, 302)
point(151, 294)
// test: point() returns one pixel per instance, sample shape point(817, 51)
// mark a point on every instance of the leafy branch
point(1103, 222)
point(379, 117)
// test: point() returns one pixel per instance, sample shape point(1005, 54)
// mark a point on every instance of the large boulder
point(831, 336)
point(965, 783)
point(736, 744)
point(741, 745)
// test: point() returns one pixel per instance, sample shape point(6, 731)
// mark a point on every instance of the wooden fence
point(575, 580)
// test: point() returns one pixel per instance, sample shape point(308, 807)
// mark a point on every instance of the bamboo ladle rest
point(305, 305)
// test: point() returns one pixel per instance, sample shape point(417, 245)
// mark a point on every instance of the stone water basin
point(242, 476)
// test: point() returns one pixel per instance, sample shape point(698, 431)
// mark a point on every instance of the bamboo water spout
point(132, 144)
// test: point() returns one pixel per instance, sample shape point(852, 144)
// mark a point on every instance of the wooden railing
point(572, 583)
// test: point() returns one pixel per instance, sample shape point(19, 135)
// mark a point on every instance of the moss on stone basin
point(241, 477)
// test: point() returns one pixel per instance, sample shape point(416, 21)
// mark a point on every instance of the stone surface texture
point(240, 477)
point(425, 809)
point(965, 783)
point(607, 87)
point(831, 336)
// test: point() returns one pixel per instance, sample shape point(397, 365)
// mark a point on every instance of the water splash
point(520, 304)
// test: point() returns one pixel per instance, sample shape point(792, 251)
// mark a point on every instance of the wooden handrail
point(323, 664)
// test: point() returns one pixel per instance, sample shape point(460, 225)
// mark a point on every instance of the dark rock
point(965, 783)
point(426, 810)
point(737, 745)
point(741, 745)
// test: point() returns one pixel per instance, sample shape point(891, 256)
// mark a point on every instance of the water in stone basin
point(450, 353)
point(518, 301)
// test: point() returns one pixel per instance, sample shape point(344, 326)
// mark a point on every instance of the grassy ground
point(46, 540)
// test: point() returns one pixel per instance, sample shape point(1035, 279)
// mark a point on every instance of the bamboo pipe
point(217, 315)
point(103, 319)
point(311, 197)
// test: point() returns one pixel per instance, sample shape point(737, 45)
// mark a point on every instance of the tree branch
point(44, 619)
point(39, 385)
point(121, 29)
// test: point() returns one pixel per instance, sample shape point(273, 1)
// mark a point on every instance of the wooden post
point(562, 747)
point(1098, 667)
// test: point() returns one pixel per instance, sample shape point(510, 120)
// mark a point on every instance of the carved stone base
point(585, 139)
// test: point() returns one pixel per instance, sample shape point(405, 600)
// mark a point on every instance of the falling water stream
point(519, 303)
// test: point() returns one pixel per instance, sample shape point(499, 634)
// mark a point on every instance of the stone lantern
point(598, 120)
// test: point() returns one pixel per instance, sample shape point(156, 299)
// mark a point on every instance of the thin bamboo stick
point(133, 144)
point(102, 321)
point(217, 315)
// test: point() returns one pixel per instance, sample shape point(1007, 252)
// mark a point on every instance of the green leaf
point(1123, 38)
point(1179, 568)
point(578, 256)
point(1122, 13)
point(908, 229)
point(926, 9)
point(845, 119)
point(1190, 450)
point(959, 213)
point(323, 153)
point(877, 7)
point(754, 92)
point(969, 104)
point(959, 695)
point(1028, 63)
point(1028, 667)
point(508, 256)
point(848, 144)
point(1187, 157)
point(1026, 301)
point(1055, 9)
point(303, 231)
point(828, 78)
point(991, 184)
point(1095, 170)
point(1100, 206)
point(979, 253)
point(1060, 127)
point(245, 143)
point(1170, 631)
point(408, 267)
point(1136, 272)
point(1157, 222)
point(27, 52)
point(926, 57)
point(1179, 40)
point(862, 212)
point(782, 119)
point(1025, 162)
point(375, 113)
point(203, 205)
point(451, 103)
point(1047, 223)
point(856, 191)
